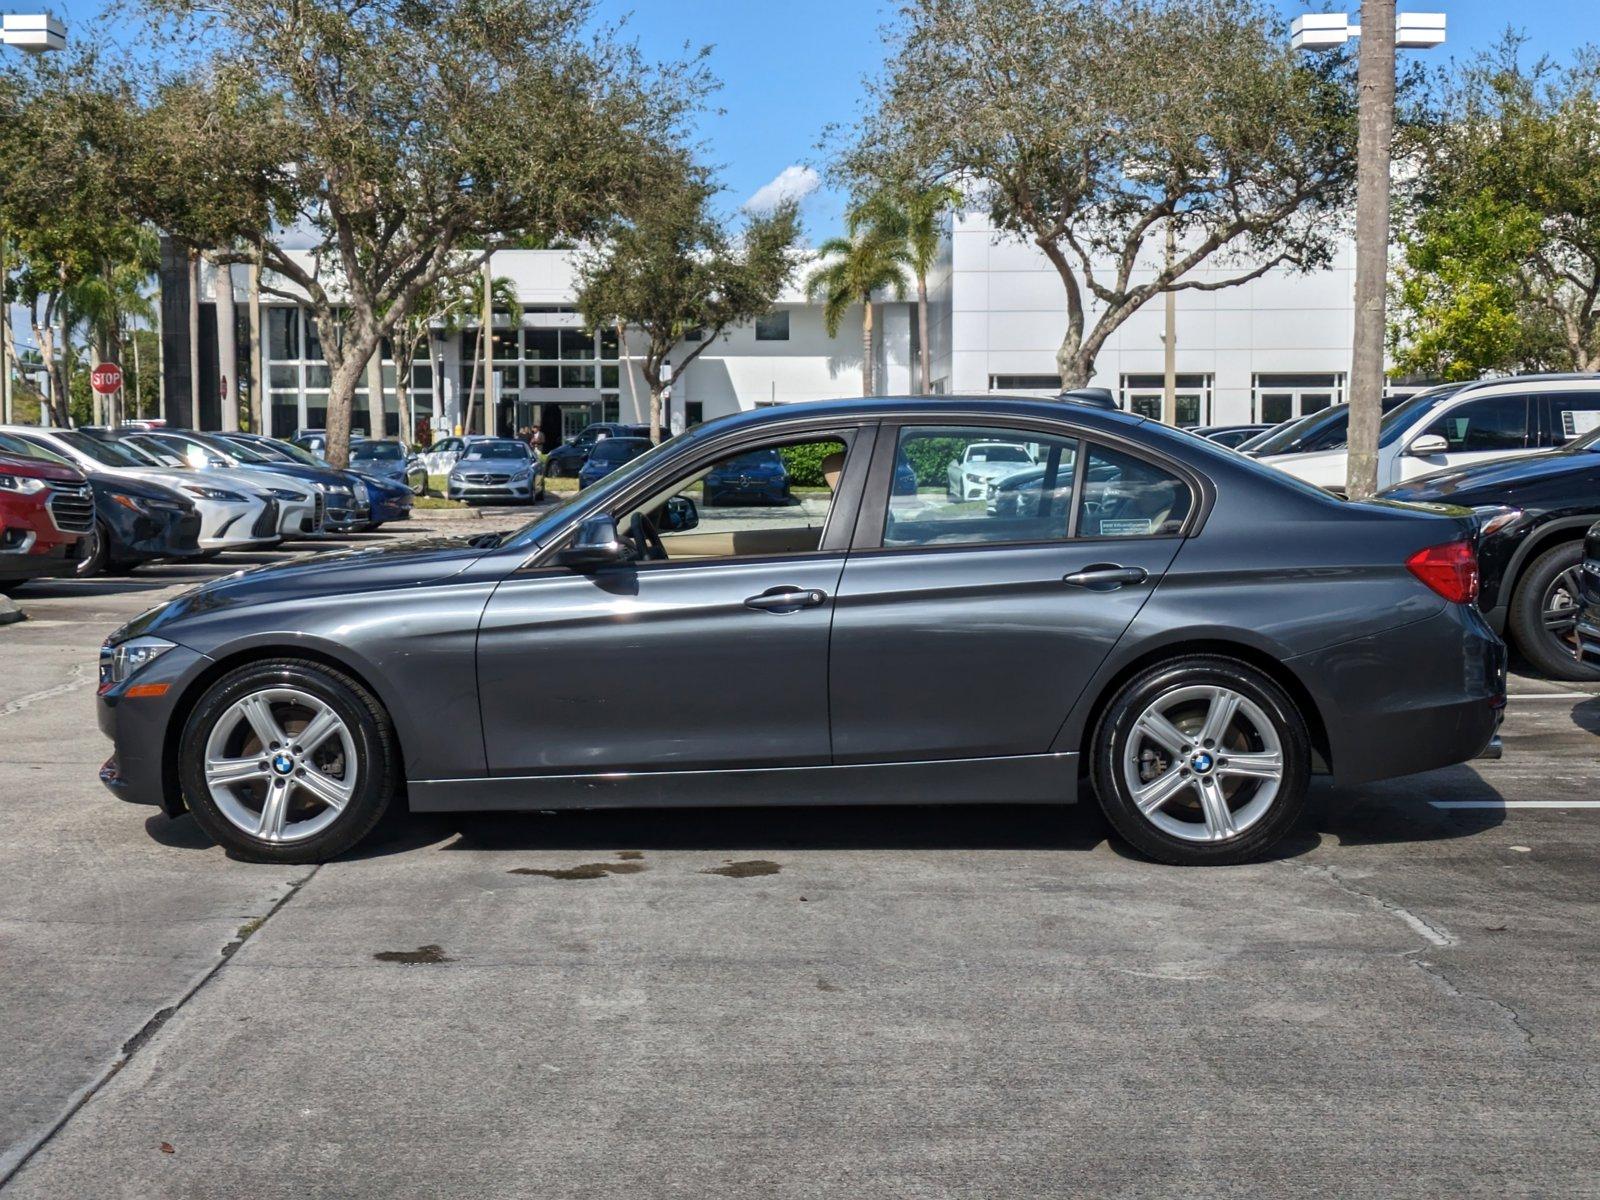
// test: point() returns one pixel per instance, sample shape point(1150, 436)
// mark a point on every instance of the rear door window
point(1568, 416)
point(1125, 496)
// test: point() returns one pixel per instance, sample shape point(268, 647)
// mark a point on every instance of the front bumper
point(226, 526)
point(489, 491)
point(142, 768)
point(157, 533)
point(56, 560)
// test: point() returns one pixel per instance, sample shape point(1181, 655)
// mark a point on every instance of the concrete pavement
point(891, 1002)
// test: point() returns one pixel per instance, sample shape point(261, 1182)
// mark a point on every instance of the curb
point(10, 614)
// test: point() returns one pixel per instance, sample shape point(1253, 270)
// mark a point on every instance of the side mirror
point(679, 514)
point(596, 544)
point(1428, 445)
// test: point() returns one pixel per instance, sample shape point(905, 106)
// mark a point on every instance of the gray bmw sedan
point(1171, 628)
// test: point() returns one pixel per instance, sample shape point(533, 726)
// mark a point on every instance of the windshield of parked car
point(108, 454)
point(997, 452)
point(1398, 420)
point(502, 449)
point(1297, 434)
point(377, 451)
point(243, 452)
point(618, 449)
point(26, 449)
point(298, 454)
point(757, 458)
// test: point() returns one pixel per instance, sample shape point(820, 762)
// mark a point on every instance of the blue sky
point(788, 70)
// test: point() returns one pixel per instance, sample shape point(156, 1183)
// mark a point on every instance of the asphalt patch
point(585, 871)
point(411, 958)
point(744, 869)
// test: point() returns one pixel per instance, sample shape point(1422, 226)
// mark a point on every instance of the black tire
point(98, 560)
point(1547, 650)
point(10, 587)
point(377, 758)
point(1115, 729)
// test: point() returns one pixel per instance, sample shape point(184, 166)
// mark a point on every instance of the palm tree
point(912, 214)
point(461, 304)
point(106, 298)
point(852, 270)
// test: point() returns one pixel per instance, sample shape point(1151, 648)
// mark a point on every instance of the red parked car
point(45, 510)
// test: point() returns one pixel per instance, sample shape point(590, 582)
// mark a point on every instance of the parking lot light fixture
point(35, 33)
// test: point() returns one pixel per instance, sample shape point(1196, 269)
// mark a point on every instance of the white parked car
point(1458, 424)
point(441, 457)
point(299, 512)
point(983, 463)
point(234, 514)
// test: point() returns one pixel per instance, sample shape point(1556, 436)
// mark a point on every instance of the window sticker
point(1125, 526)
point(1576, 422)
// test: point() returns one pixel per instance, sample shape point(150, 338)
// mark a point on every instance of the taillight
point(1450, 569)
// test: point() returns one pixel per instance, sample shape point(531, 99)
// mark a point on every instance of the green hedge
point(930, 458)
point(804, 462)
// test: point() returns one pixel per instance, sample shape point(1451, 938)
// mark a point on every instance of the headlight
point(136, 504)
point(1492, 518)
point(211, 493)
point(122, 662)
point(973, 478)
point(286, 494)
point(521, 477)
point(24, 484)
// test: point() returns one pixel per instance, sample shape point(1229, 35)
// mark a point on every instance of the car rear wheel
point(288, 761)
point(1201, 760)
point(96, 558)
point(1544, 614)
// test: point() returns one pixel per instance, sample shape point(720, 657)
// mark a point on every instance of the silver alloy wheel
point(1203, 763)
point(1559, 612)
point(280, 764)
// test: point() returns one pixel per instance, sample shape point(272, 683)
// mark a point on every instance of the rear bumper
point(1415, 698)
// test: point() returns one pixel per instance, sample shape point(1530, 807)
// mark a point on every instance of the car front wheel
point(1201, 760)
point(288, 761)
point(1544, 614)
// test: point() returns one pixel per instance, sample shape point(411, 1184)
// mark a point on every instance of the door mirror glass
point(679, 515)
point(1428, 445)
point(596, 544)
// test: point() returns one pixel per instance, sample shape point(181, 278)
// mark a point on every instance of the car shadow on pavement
point(1376, 814)
point(1586, 716)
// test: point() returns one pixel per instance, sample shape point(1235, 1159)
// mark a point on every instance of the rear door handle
point(1105, 577)
point(787, 599)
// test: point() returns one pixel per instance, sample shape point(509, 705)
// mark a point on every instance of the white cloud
point(791, 183)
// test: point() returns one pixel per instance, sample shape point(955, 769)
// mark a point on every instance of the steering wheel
point(646, 541)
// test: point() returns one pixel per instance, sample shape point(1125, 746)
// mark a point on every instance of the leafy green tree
point(852, 270)
point(670, 267)
point(406, 139)
point(911, 212)
point(1091, 127)
point(1500, 227)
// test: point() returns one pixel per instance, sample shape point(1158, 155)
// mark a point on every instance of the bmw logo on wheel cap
point(1201, 762)
point(282, 763)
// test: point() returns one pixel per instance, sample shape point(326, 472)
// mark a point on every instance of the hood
point(338, 572)
point(1325, 468)
point(326, 476)
point(1499, 480)
point(994, 468)
point(38, 468)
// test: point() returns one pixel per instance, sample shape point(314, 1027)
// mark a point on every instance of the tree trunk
point(925, 359)
point(1075, 365)
point(227, 349)
point(194, 339)
point(1373, 146)
point(866, 346)
point(98, 404)
point(341, 403)
point(477, 361)
point(656, 393)
point(377, 425)
point(259, 404)
point(138, 381)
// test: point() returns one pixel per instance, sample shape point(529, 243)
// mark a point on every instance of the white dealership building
point(1260, 351)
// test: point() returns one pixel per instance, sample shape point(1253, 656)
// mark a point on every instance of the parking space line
point(1551, 695)
point(1515, 803)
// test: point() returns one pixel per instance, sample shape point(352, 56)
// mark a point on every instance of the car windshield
point(1398, 420)
point(758, 458)
point(109, 454)
point(552, 518)
point(377, 451)
point(26, 449)
point(1287, 437)
point(618, 449)
point(298, 453)
point(1587, 441)
point(505, 449)
point(243, 452)
point(998, 453)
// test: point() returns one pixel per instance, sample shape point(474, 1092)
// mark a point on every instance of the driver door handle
point(1105, 577)
point(787, 599)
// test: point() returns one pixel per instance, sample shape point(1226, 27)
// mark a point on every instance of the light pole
point(1380, 34)
point(34, 33)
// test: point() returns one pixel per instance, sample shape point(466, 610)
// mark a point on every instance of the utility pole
point(1380, 33)
point(1374, 143)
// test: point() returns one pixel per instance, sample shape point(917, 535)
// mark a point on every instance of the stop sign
point(106, 378)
